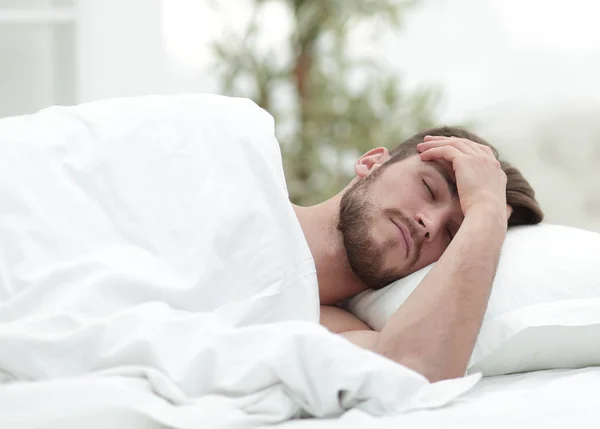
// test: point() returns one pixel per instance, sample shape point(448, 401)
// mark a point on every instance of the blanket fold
point(148, 248)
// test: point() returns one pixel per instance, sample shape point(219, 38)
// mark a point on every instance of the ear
point(371, 160)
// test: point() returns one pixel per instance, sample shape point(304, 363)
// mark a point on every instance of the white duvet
point(148, 244)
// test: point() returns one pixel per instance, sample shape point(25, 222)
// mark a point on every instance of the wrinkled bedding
point(152, 270)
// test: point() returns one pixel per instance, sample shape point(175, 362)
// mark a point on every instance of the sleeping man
point(157, 232)
point(442, 194)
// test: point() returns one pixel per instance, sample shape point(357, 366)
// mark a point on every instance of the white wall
point(111, 48)
point(120, 48)
point(26, 80)
point(26, 64)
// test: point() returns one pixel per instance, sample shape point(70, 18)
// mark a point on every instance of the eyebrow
point(446, 176)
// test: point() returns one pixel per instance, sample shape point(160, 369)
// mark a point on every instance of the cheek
point(403, 193)
point(432, 252)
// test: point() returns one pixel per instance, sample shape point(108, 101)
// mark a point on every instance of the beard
point(365, 256)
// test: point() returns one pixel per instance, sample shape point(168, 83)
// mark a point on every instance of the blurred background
point(339, 76)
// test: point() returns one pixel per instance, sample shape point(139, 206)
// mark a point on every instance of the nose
point(430, 224)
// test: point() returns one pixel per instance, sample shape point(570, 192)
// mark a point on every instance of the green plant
point(329, 105)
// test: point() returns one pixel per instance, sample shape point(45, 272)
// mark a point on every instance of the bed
point(114, 311)
point(552, 398)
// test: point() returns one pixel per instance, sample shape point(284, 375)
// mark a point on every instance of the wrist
point(489, 214)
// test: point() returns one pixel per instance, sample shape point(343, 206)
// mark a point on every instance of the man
point(442, 194)
point(180, 232)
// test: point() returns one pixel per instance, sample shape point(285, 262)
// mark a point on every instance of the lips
point(405, 235)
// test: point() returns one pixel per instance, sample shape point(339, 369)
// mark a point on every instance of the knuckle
point(493, 162)
point(502, 175)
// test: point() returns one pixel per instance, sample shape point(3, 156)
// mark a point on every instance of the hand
point(480, 181)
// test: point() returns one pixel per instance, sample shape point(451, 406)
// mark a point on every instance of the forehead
point(414, 163)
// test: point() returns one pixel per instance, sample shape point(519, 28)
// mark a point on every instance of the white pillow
point(544, 310)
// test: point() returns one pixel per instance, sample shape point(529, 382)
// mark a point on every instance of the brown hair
point(519, 193)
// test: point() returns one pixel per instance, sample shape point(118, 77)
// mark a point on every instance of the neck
point(336, 279)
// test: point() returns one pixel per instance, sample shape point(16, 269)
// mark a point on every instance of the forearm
point(435, 330)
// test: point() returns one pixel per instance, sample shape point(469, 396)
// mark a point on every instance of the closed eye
point(428, 189)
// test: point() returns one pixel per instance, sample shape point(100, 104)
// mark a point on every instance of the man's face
point(398, 219)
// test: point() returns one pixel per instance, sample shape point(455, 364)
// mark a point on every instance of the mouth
point(405, 236)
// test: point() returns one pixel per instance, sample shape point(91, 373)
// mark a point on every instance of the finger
point(479, 148)
point(456, 143)
point(426, 138)
point(448, 153)
point(488, 150)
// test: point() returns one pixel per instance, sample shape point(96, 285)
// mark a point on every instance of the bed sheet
point(126, 255)
point(556, 398)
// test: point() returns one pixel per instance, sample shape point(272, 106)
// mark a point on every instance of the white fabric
point(556, 398)
point(148, 245)
point(543, 399)
point(544, 310)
